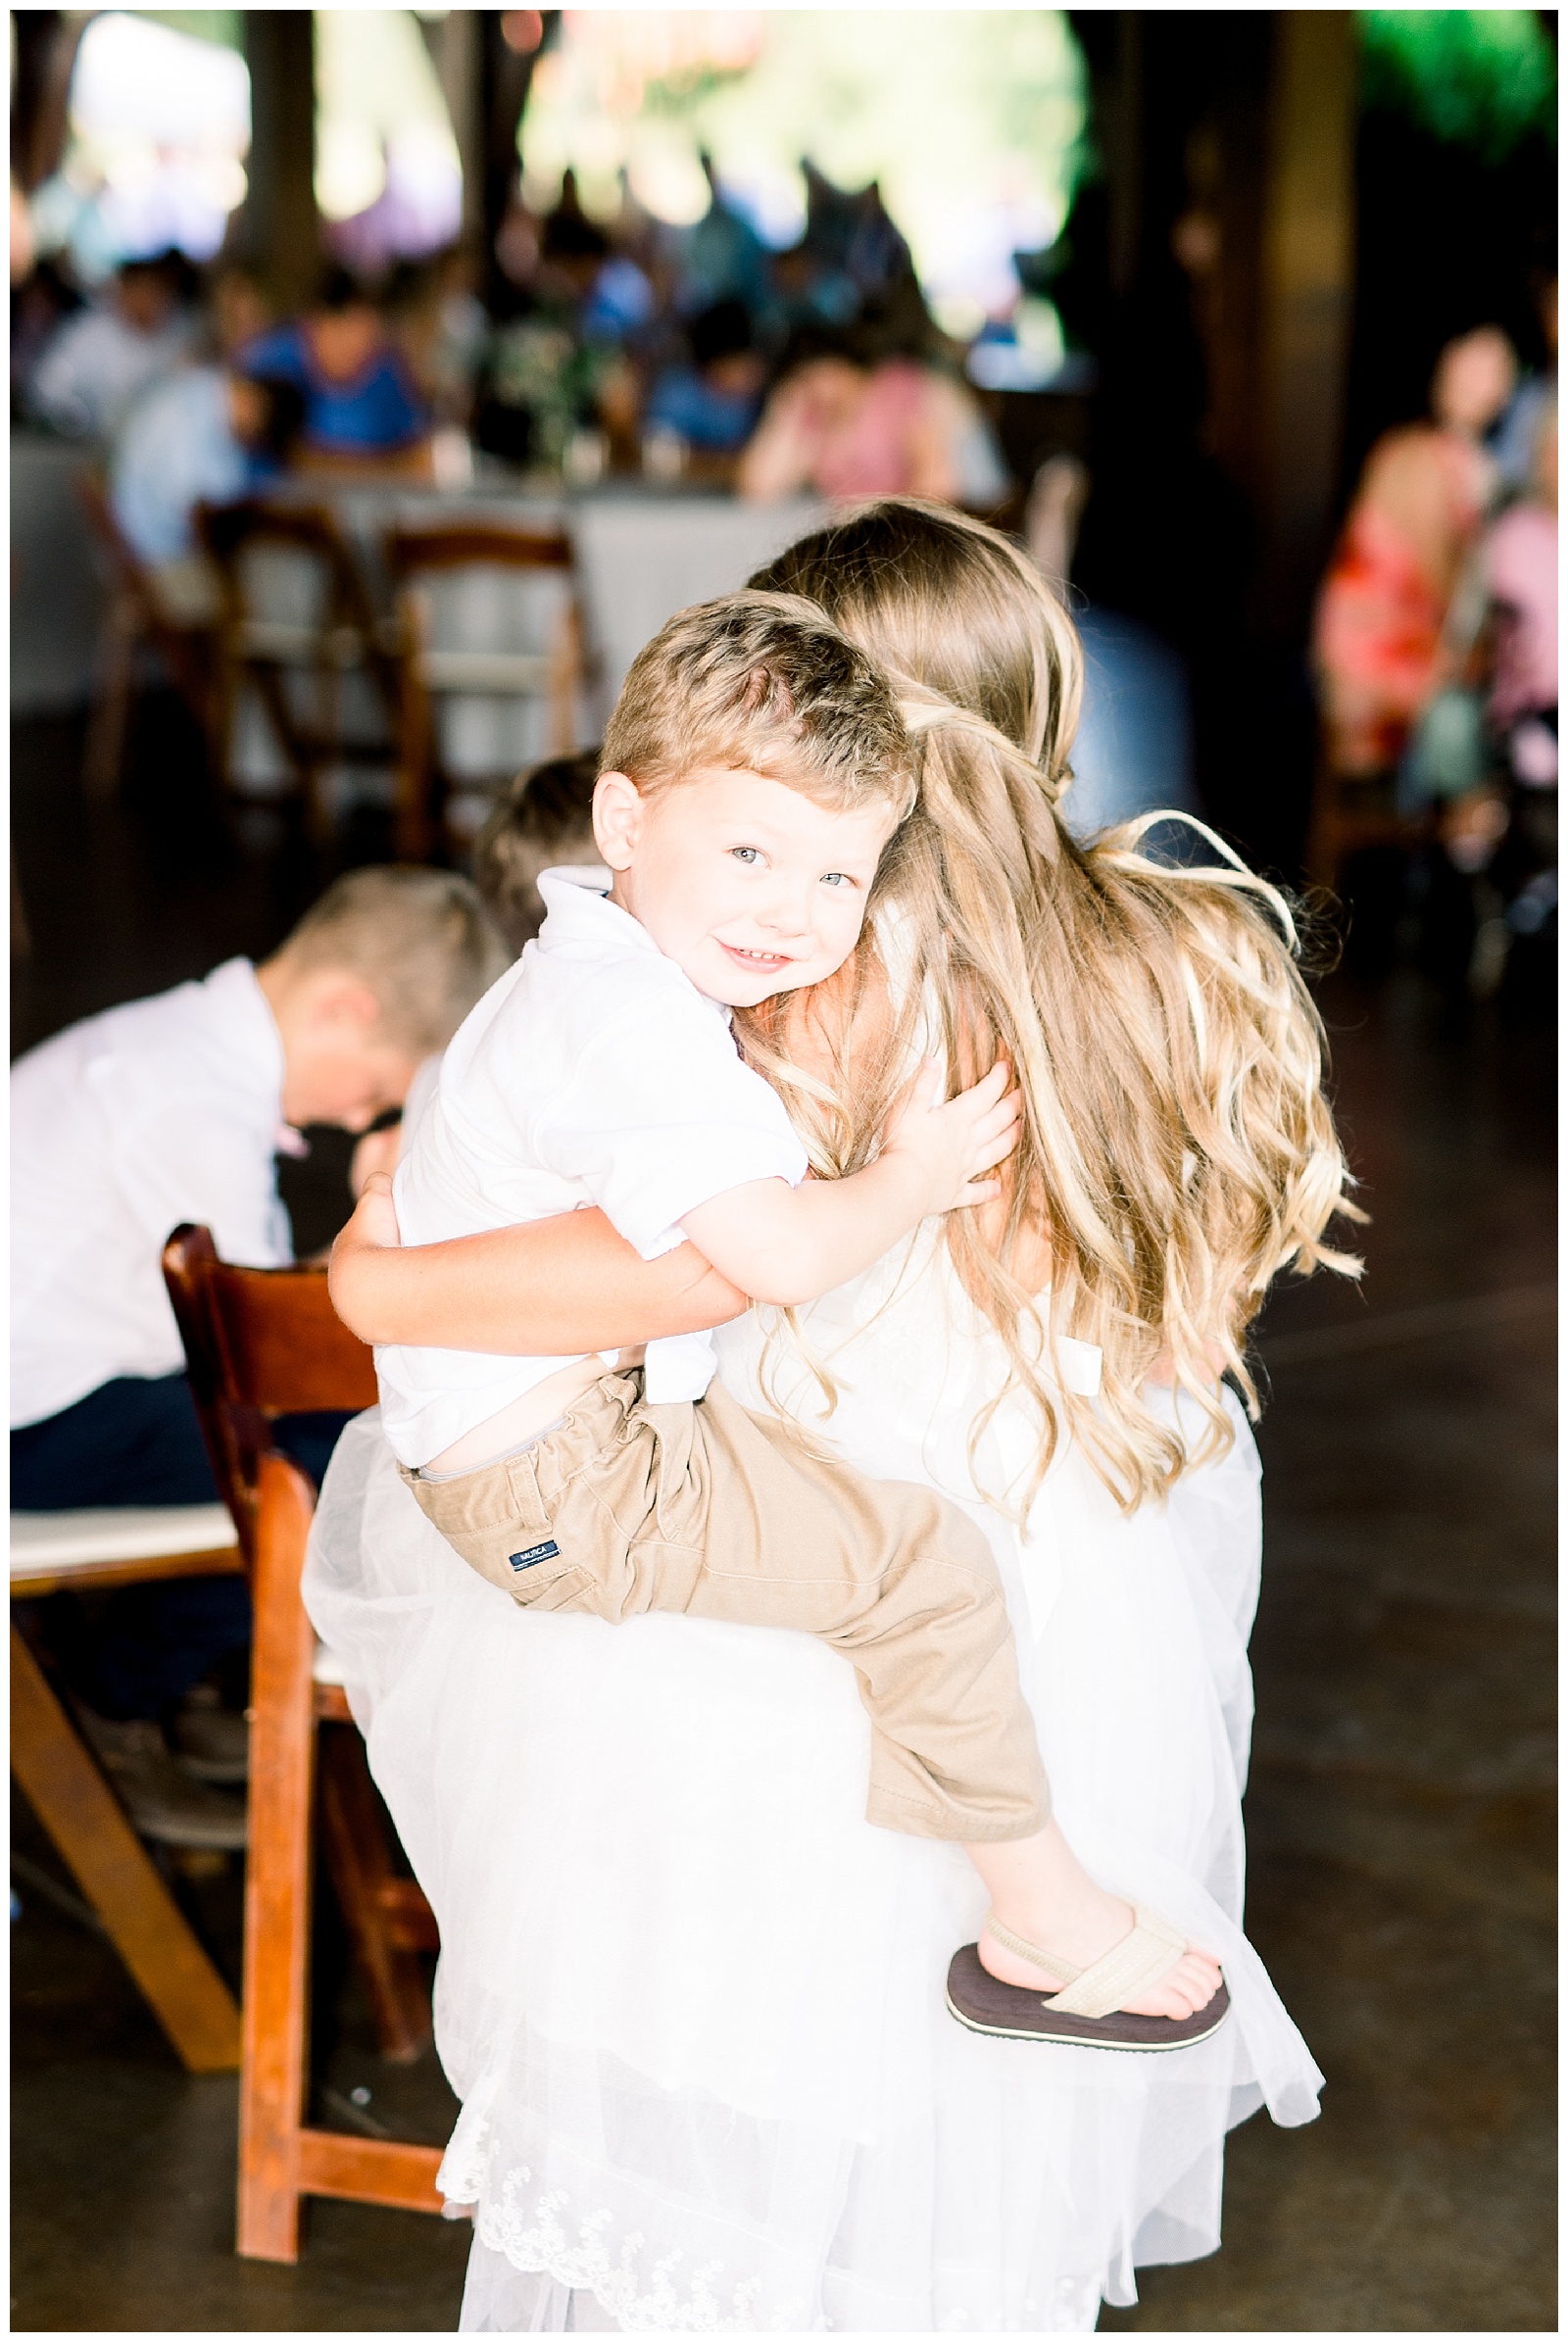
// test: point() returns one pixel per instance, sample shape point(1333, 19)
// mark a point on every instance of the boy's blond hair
point(546, 816)
point(420, 940)
point(762, 683)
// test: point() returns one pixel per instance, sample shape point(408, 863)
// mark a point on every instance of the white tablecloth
point(643, 558)
point(641, 555)
point(58, 593)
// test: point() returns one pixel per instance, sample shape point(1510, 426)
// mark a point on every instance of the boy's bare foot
point(1040, 1891)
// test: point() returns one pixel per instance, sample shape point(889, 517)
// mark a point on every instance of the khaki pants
point(707, 1509)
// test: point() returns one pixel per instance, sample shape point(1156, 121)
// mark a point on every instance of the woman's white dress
point(692, 2001)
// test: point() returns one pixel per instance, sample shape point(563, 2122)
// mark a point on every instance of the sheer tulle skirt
point(692, 2001)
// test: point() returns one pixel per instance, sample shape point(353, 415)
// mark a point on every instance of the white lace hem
point(536, 2237)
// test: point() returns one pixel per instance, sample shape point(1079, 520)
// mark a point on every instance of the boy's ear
point(617, 818)
point(342, 999)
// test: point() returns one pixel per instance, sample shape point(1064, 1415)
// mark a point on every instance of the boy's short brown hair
point(420, 939)
point(546, 816)
point(762, 683)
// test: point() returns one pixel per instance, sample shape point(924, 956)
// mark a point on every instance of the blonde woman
point(690, 2001)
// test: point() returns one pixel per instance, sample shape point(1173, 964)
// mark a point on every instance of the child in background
point(545, 822)
point(757, 771)
point(171, 1110)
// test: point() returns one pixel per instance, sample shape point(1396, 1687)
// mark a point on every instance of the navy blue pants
point(137, 1440)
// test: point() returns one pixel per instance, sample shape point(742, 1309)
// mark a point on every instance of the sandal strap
point(1148, 1951)
point(1051, 1962)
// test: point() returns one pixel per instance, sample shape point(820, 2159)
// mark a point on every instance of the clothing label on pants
point(526, 1559)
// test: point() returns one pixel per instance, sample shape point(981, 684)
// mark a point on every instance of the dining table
point(642, 551)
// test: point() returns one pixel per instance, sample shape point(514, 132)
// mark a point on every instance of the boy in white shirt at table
point(172, 1110)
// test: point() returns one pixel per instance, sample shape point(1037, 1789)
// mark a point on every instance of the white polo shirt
point(122, 1126)
point(593, 1073)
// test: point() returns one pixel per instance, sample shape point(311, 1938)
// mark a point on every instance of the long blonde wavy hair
point(1178, 1150)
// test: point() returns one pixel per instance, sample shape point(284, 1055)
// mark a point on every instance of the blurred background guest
point(1500, 834)
point(1515, 441)
point(360, 402)
point(545, 821)
point(712, 397)
point(208, 433)
point(98, 362)
point(721, 258)
point(40, 303)
point(1420, 503)
point(868, 413)
point(1519, 564)
point(237, 311)
point(572, 249)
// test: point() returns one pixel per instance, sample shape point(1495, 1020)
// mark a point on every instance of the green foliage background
point(1482, 77)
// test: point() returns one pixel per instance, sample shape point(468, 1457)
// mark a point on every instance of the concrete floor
point(1400, 1814)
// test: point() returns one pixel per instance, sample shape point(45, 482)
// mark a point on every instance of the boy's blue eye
point(836, 878)
point(746, 853)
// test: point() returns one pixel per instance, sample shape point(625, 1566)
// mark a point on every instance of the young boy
point(756, 768)
point(546, 817)
point(169, 1109)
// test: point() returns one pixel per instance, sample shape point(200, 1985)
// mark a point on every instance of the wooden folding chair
point(124, 1545)
point(137, 615)
point(298, 634)
point(262, 1343)
point(467, 633)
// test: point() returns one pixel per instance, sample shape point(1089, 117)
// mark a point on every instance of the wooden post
point(281, 235)
point(110, 1865)
point(505, 76)
point(1308, 235)
point(44, 53)
point(456, 46)
point(1124, 131)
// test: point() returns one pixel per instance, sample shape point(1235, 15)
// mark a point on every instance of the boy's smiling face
point(750, 886)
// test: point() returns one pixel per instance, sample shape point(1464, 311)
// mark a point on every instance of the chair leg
point(106, 735)
point(566, 677)
point(277, 1884)
point(354, 1834)
point(415, 735)
point(74, 1802)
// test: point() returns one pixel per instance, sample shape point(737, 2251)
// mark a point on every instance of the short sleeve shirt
point(593, 1073)
point(378, 409)
point(178, 447)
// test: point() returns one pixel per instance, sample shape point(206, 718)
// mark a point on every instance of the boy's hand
point(374, 1224)
point(374, 1229)
point(950, 1147)
point(377, 1151)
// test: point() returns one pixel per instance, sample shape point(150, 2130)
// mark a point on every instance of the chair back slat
point(259, 1344)
point(475, 545)
point(491, 662)
point(308, 681)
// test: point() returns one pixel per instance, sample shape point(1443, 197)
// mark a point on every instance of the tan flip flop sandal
point(1088, 2013)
